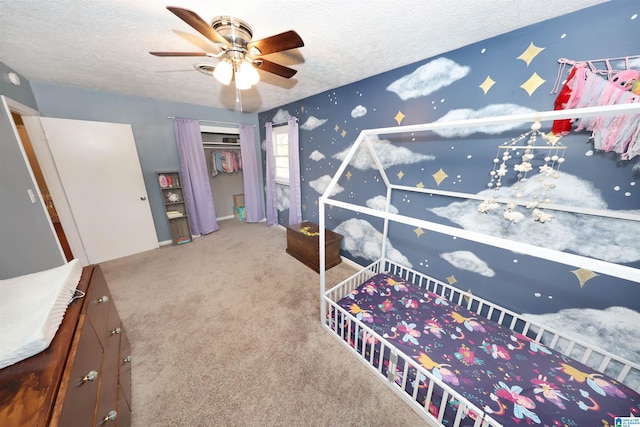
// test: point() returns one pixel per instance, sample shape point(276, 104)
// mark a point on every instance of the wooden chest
point(306, 248)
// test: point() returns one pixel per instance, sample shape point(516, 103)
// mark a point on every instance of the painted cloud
point(388, 154)
point(466, 260)
point(321, 184)
point(361, 239)
point(281, 116)
point(614, 329)
point(610, 240)
point(316, 155)
point(312, 123)
point(492, 110)
point(380, 203)
point(282, 197)
point(428, 78)
point(359, 111)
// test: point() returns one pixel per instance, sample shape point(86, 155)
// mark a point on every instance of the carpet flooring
point(225, 331)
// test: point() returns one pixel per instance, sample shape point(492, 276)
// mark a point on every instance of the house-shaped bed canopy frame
point(604, 267)
point(406, 376)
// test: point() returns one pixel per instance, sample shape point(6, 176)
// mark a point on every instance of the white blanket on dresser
point(31, 310)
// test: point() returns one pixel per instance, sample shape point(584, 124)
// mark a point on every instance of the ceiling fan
point(239, 55)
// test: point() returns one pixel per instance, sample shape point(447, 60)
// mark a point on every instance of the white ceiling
point(104, 44)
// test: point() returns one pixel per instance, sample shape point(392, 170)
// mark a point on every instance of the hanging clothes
point(225, 161)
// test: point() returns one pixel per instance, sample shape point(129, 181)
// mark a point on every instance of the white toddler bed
point(32, 307)
point(429, 387)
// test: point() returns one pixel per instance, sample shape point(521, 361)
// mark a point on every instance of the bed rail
point(614, 366)
point(431, 398)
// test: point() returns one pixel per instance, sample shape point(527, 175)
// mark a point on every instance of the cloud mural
point(492, 110)
point(380, 203)
point(466, 260)
point(362, 240)
point(610, 240)
point(428, 78)
point(313, 123)
point(316, 155)
point(389, 155)
point(281, 116)
point(614, 329)
point(321, 184)
point(359, 111)
point(282, 197)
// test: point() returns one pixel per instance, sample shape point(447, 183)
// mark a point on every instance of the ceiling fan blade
point(198, 24)
point(278, 43)
point(179, 53)
point(272, 67)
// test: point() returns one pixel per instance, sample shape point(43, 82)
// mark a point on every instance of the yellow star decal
point(419, 232)
point(316, 202)
point(533, 83)
point(302, 109)
point(337, 128)
point(400, 175)
point(466, 298)
point(531, 52)
point(452, 279)
point(487, 84)
point(348, 175)
point(584, 275)
point(439, 176)
point(399, 117)
point(344, 132)
point(304, 207)
point(420, 185)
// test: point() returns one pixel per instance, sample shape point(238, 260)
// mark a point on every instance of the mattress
point(511, 377)
point(31, 310)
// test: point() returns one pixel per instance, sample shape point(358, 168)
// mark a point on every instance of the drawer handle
point(126, 360)
point(116, 331)
point(91, 376)
point(111, 416)
point(103, 299)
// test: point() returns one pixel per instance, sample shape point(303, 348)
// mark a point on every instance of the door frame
point(29, 116)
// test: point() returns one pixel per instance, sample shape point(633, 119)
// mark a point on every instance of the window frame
point(280, 136)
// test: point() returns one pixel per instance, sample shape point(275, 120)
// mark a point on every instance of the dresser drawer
point(82, 390)
point(125, 367)
point(98, 304)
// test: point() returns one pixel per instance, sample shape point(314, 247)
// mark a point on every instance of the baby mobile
point(521, 158)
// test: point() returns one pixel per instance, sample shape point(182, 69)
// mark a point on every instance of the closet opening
point(224, 166)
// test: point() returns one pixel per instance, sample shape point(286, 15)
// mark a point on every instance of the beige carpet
point(225, 331)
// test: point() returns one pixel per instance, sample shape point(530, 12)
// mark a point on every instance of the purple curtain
point(195, 179)
point(295, 211)
point(272, 211)
point(251, 175)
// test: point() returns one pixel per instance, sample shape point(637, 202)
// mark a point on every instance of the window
point(281, 153)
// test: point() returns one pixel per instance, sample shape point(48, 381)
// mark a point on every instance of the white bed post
point(323, 275)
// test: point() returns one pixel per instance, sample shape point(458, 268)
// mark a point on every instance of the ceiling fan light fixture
point(246, 76)
point(223, 72)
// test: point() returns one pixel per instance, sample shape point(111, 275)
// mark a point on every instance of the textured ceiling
point(104, 44)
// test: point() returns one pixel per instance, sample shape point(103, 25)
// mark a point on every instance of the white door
point(98, 167)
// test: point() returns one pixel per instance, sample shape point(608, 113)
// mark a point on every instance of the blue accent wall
point(450, 87)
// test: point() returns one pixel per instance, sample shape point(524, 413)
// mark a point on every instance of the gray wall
point(28, 243)
point(27, 240)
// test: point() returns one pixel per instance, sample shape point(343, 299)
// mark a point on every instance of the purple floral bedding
point(514, 379)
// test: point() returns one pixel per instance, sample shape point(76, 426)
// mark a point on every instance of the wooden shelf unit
point(175, 208)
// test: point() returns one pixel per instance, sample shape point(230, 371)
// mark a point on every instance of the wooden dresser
point(306, 248)
point(84, 377)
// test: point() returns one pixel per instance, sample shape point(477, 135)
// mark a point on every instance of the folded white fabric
point(31, 310)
